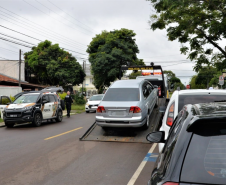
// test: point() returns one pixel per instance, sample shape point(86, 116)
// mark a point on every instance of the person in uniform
point(68, 101)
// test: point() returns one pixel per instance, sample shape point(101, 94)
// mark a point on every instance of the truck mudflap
point(137, 135)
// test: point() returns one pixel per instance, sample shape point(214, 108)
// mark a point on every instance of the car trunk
point(118, 109)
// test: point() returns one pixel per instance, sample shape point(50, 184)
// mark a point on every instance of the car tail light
point(135, 109)
point(160, 92)
point(170, 116)
point(101, 109)
point(171, 183)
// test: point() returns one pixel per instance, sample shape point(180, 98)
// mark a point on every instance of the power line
point(16, 38)
point(69, 14)
point(38, 26)
point(34, 31)
point(60, 16)
point(49, 15)
point(160, 56)
point(9, 50)
point(15, 42)
point(19, 33)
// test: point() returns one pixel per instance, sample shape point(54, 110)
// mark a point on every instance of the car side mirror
point(155, 86)
point(162, 109)
point(156, 137)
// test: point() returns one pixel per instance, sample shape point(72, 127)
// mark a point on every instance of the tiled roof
point(6, 78)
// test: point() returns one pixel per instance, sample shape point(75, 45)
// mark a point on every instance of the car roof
point(127, 84)
point(201, 91)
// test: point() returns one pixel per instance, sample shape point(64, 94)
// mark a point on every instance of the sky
point(73, 23)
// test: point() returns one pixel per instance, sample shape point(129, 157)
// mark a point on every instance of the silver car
point(127, 103)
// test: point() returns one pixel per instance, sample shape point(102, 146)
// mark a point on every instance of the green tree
point(53, 66)
point(108, 51)
point(134, 74)
point(197, 24)
point(205, 75)
point(194, 85)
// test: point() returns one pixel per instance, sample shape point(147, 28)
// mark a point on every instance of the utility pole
point(83, 67)
point(20, 68)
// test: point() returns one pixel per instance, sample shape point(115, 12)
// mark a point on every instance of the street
point(53, 154)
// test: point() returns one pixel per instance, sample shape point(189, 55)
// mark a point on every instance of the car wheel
point(146, 125)
point(87, 111)
point(156, 103)
point(59, 116)
point(9, 125)
point(37, 121)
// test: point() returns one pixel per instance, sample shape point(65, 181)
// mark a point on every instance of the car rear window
point(205, 161)
point(194, 99)
point(122, 94)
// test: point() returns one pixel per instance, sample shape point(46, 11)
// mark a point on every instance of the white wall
point(11, 69)
point(10, 91)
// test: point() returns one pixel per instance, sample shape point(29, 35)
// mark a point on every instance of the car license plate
point(14, 115)
point(118, 113)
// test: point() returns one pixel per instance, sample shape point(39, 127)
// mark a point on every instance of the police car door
point(4, 101)
point(46, 107)
point(53, 105)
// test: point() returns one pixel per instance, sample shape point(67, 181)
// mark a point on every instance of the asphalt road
point(52, 154)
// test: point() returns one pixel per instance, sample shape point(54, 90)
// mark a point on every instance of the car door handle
point(49, 105)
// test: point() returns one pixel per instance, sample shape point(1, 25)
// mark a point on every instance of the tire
point(37, 121)
point(59, 116)
point(87, 111)
point(105, 128)
point(62, 104)
point(156, 103)
point(9, 125)
point(146, 125)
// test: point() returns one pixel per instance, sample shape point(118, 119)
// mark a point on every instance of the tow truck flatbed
point(96, 133)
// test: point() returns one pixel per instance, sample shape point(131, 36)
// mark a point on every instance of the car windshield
point(194, 99)
point(96, 98)
point(122, 94)
point(26, 98)
point(205, 161)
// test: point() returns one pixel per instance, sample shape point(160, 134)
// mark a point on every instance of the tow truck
point(156, 77)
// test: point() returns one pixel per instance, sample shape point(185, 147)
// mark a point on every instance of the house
point(9, 75)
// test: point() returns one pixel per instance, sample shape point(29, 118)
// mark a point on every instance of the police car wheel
point(87, 111)
point(9, 125)
point(59, 116)
point(37, 120)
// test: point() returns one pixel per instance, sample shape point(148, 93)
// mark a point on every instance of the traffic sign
point(187, 86)
point(221, 80)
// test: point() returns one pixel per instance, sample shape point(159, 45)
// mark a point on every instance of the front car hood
point(93, 102)
point(19, 106)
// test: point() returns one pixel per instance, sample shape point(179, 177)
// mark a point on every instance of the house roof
point(5, 78)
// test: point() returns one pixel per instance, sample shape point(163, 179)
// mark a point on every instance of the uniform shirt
point(68, 99)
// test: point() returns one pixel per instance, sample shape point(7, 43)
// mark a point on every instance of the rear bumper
point(120, 122)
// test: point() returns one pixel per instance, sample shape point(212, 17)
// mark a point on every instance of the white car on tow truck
point(183, 97)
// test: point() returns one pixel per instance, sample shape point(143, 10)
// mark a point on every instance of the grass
point(77, 107)
point(1, 120)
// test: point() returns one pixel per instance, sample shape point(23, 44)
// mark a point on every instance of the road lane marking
point(63, 133)
point(140, 168)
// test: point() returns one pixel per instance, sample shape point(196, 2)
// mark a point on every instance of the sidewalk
point(2, 124)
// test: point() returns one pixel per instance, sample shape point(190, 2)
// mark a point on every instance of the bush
point(62, 96)
point(12, 98)
point(79, 99)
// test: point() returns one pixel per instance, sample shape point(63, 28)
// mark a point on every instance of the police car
point(33, 107)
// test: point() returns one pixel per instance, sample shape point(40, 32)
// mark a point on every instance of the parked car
point(127, 103)
point(4, 101)
point(93, 102)
point(183, 97)
point(194, 152)
point(33, 107)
